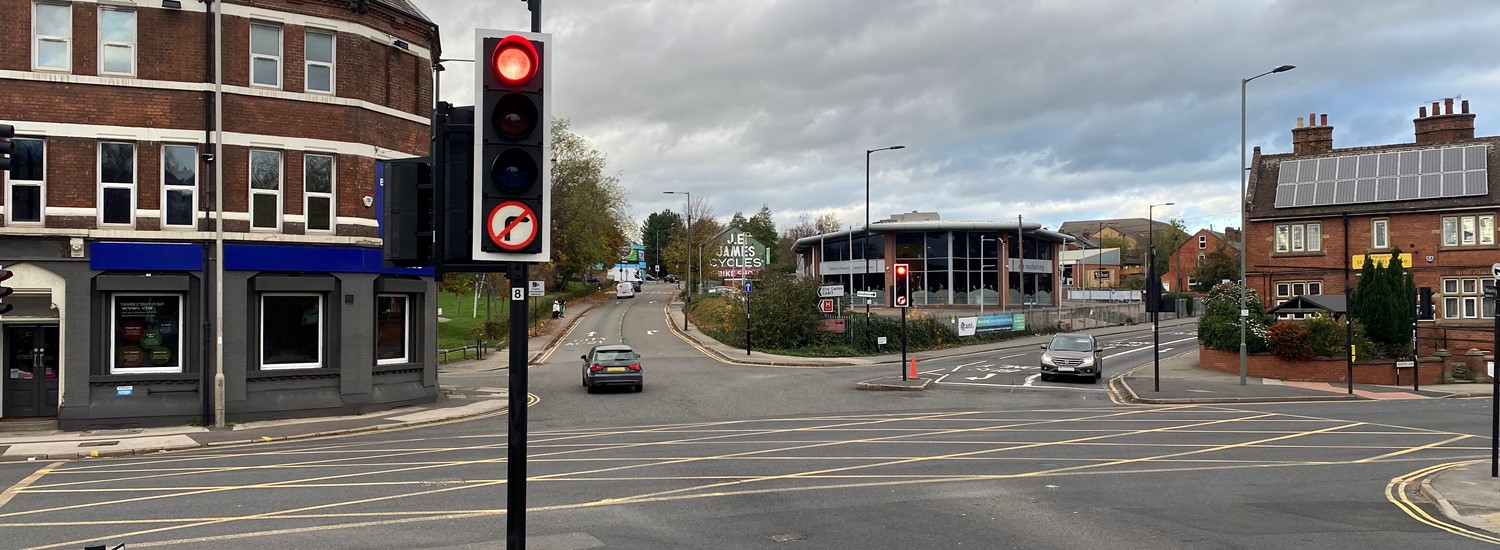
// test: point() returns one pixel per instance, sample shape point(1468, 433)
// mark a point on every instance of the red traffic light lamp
point(514, 60)
point(901, 291)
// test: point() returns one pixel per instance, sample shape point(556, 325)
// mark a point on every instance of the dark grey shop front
point(308, 331)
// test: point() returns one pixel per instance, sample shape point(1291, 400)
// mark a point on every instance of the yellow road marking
point(1412, 449)
point(25, 482)
point(1396, 492)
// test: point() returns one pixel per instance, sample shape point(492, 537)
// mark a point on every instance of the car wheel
point(1093, 379)
point(639, 388)
point(590, 389)
point(1098, 376)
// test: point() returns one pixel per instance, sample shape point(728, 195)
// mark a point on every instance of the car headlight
point(1046, 359)
point(1088, 361)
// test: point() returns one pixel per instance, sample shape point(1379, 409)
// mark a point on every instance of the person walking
point(556, 308)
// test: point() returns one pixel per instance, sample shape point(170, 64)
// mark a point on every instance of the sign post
point(747, 317)
point(1495, 389)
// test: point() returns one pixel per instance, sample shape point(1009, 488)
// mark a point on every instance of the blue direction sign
point(747, 287)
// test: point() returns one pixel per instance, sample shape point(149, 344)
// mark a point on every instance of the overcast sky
point(1054, 110)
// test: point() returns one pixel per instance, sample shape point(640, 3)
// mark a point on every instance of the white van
point(625, 289)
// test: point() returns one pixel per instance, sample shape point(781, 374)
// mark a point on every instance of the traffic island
point(893, 383)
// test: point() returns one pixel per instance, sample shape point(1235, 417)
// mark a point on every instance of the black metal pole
point(1416, 348)
point(1495, 404)
point(869, 338)
point(515, 441)
point(747, 315)
point(903, 344)
point(1349, 309)
point(1153, 294)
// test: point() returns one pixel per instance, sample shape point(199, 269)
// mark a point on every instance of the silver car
point(612, 365)
point(1073, 354)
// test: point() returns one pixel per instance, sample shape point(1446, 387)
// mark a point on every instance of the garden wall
point(1381, 371)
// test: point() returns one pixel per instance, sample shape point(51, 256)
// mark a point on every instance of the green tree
point(763, 229)
point(1382, 303)
point(1219, 327)
point(1218, 266)
point(1167, 240)
point(589, 208)
point(656, 235)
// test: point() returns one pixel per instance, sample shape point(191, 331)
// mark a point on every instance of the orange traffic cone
point(911, 370)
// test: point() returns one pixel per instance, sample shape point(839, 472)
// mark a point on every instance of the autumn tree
point(590, 210)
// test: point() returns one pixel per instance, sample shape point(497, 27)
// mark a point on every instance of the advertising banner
point(967, 325)
point(993, 323)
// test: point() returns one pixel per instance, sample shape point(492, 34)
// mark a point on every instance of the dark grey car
point(1074, 354)
point(612, 365)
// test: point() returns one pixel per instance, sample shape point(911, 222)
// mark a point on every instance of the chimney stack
point(1443, 126)
point(1313, 138)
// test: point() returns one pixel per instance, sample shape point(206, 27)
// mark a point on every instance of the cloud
point(1053, 110)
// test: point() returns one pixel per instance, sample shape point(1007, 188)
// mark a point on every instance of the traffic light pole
point(515, 441)
point(903, 344)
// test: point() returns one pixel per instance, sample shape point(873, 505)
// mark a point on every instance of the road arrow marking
point(650, 332)
point(1031, 379)
point(985, 377)
point(591, 334)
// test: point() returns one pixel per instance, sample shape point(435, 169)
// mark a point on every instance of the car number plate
point(1064, 369)
point(615, 369)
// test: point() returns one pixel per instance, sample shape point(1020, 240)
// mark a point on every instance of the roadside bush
point(1326, 335)
point(1288, 340)
point(1219, 327)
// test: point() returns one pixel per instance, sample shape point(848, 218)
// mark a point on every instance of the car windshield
point(1070, 343)
point(614, 355)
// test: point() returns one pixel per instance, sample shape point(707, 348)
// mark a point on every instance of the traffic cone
point(911, 370)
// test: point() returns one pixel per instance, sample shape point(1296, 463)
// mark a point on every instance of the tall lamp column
point(1245, 231)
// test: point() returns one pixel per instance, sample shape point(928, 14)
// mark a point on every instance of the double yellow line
point(1396, 492)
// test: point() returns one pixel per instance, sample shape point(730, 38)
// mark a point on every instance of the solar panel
point(1377, 177)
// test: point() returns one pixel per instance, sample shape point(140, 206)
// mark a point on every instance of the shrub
point(1219, 327)
point(1288, 340)
point(1326, 335)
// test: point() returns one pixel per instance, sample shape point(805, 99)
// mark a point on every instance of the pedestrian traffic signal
point(512, 183)
point(5, 290)
point(901, 290)
point(7, 147)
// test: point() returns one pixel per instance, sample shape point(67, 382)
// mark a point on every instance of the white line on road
point(1133, 350)
point(955, 369)
point(1028, 387)
point(985, 377)
point(1031, 379)
point(1009, 356)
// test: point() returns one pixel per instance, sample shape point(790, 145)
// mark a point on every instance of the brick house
point(1194, 251)
point(109, 209)
point(1317, 213)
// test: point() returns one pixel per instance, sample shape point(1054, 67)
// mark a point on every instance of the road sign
point(747, 287)
point(1495, 271)
point(512, 225)
point(867, 294)
point(825, 305)
point(536, 288)
point(830, 291)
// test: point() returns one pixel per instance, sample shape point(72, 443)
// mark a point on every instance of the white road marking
point(955, 369)
point(1142, 349)
point(1009, 356)
point(1031, 379)
point(1028, 387)
point(985, 377)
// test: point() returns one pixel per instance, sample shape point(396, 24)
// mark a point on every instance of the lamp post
point(1244, 231)
point(866, 243)
point(1153, 292)
point(688, 284)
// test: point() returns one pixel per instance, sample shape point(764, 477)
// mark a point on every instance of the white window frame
point(1380, 236)
point(1468, 231)
point(280, 52)
point(1487, 230)
point(322, 338)
point(135, 177)
point(1299, 238)
point(1463, 298)
point(1315, 237)
point(114, 330)
point(1283, 238)
point(1202, 258)
point(332, 64)
point(405, 330)
point(37, 38)
point(10, 198)
point(1203, 242)
point(165, 189)
point(280, 185)
point(1450, 231)
point(1285, 290)
point(103, 44)
point(331, 195)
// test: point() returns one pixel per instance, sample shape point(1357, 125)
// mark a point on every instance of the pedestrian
point(556, 308)
point(562, 308)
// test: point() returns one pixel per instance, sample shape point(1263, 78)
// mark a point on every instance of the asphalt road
point(721, 456)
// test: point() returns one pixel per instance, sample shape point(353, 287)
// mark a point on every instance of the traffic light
point(901, 291)
point(7, 147)
point(512, 189)
point(407, 224)
point(5, 290)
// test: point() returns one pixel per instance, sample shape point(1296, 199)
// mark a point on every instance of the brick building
point(1317, 213)
point(1194, 252)
point(109, 208)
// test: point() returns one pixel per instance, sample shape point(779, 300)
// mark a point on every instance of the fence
point(1075, 317)
point(479, 349)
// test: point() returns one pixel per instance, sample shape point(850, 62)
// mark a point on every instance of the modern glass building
point(952, 263)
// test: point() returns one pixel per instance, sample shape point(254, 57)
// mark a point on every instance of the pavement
point(1464, 491)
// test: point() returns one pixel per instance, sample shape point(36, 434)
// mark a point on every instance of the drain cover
point(98, 443)
point(789, 537)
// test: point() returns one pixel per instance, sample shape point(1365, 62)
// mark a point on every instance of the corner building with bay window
point(109, 209)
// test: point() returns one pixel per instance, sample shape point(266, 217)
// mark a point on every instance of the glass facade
point(948, 267)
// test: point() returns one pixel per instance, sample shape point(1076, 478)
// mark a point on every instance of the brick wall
point(171, 46)
point(1265, 365)
point(1184, 260)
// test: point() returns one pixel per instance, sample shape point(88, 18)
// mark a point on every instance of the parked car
point(1073, 354)
point(671, 279)
point(636, 285)
point(612, 365)
point(624, 289)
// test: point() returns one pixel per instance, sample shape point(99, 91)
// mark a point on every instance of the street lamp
point(1153, 291)
point(688, 284)
point(1244, 231)
point(866, 244)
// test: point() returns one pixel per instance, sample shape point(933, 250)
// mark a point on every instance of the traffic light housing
point(512, 148)
point(407, 224)
point(901, 290)
point(5, 290)
point(7, 147)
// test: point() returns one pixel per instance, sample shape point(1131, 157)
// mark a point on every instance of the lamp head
point(1283, 68)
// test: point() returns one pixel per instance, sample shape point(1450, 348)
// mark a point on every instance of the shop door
point(31, 370)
